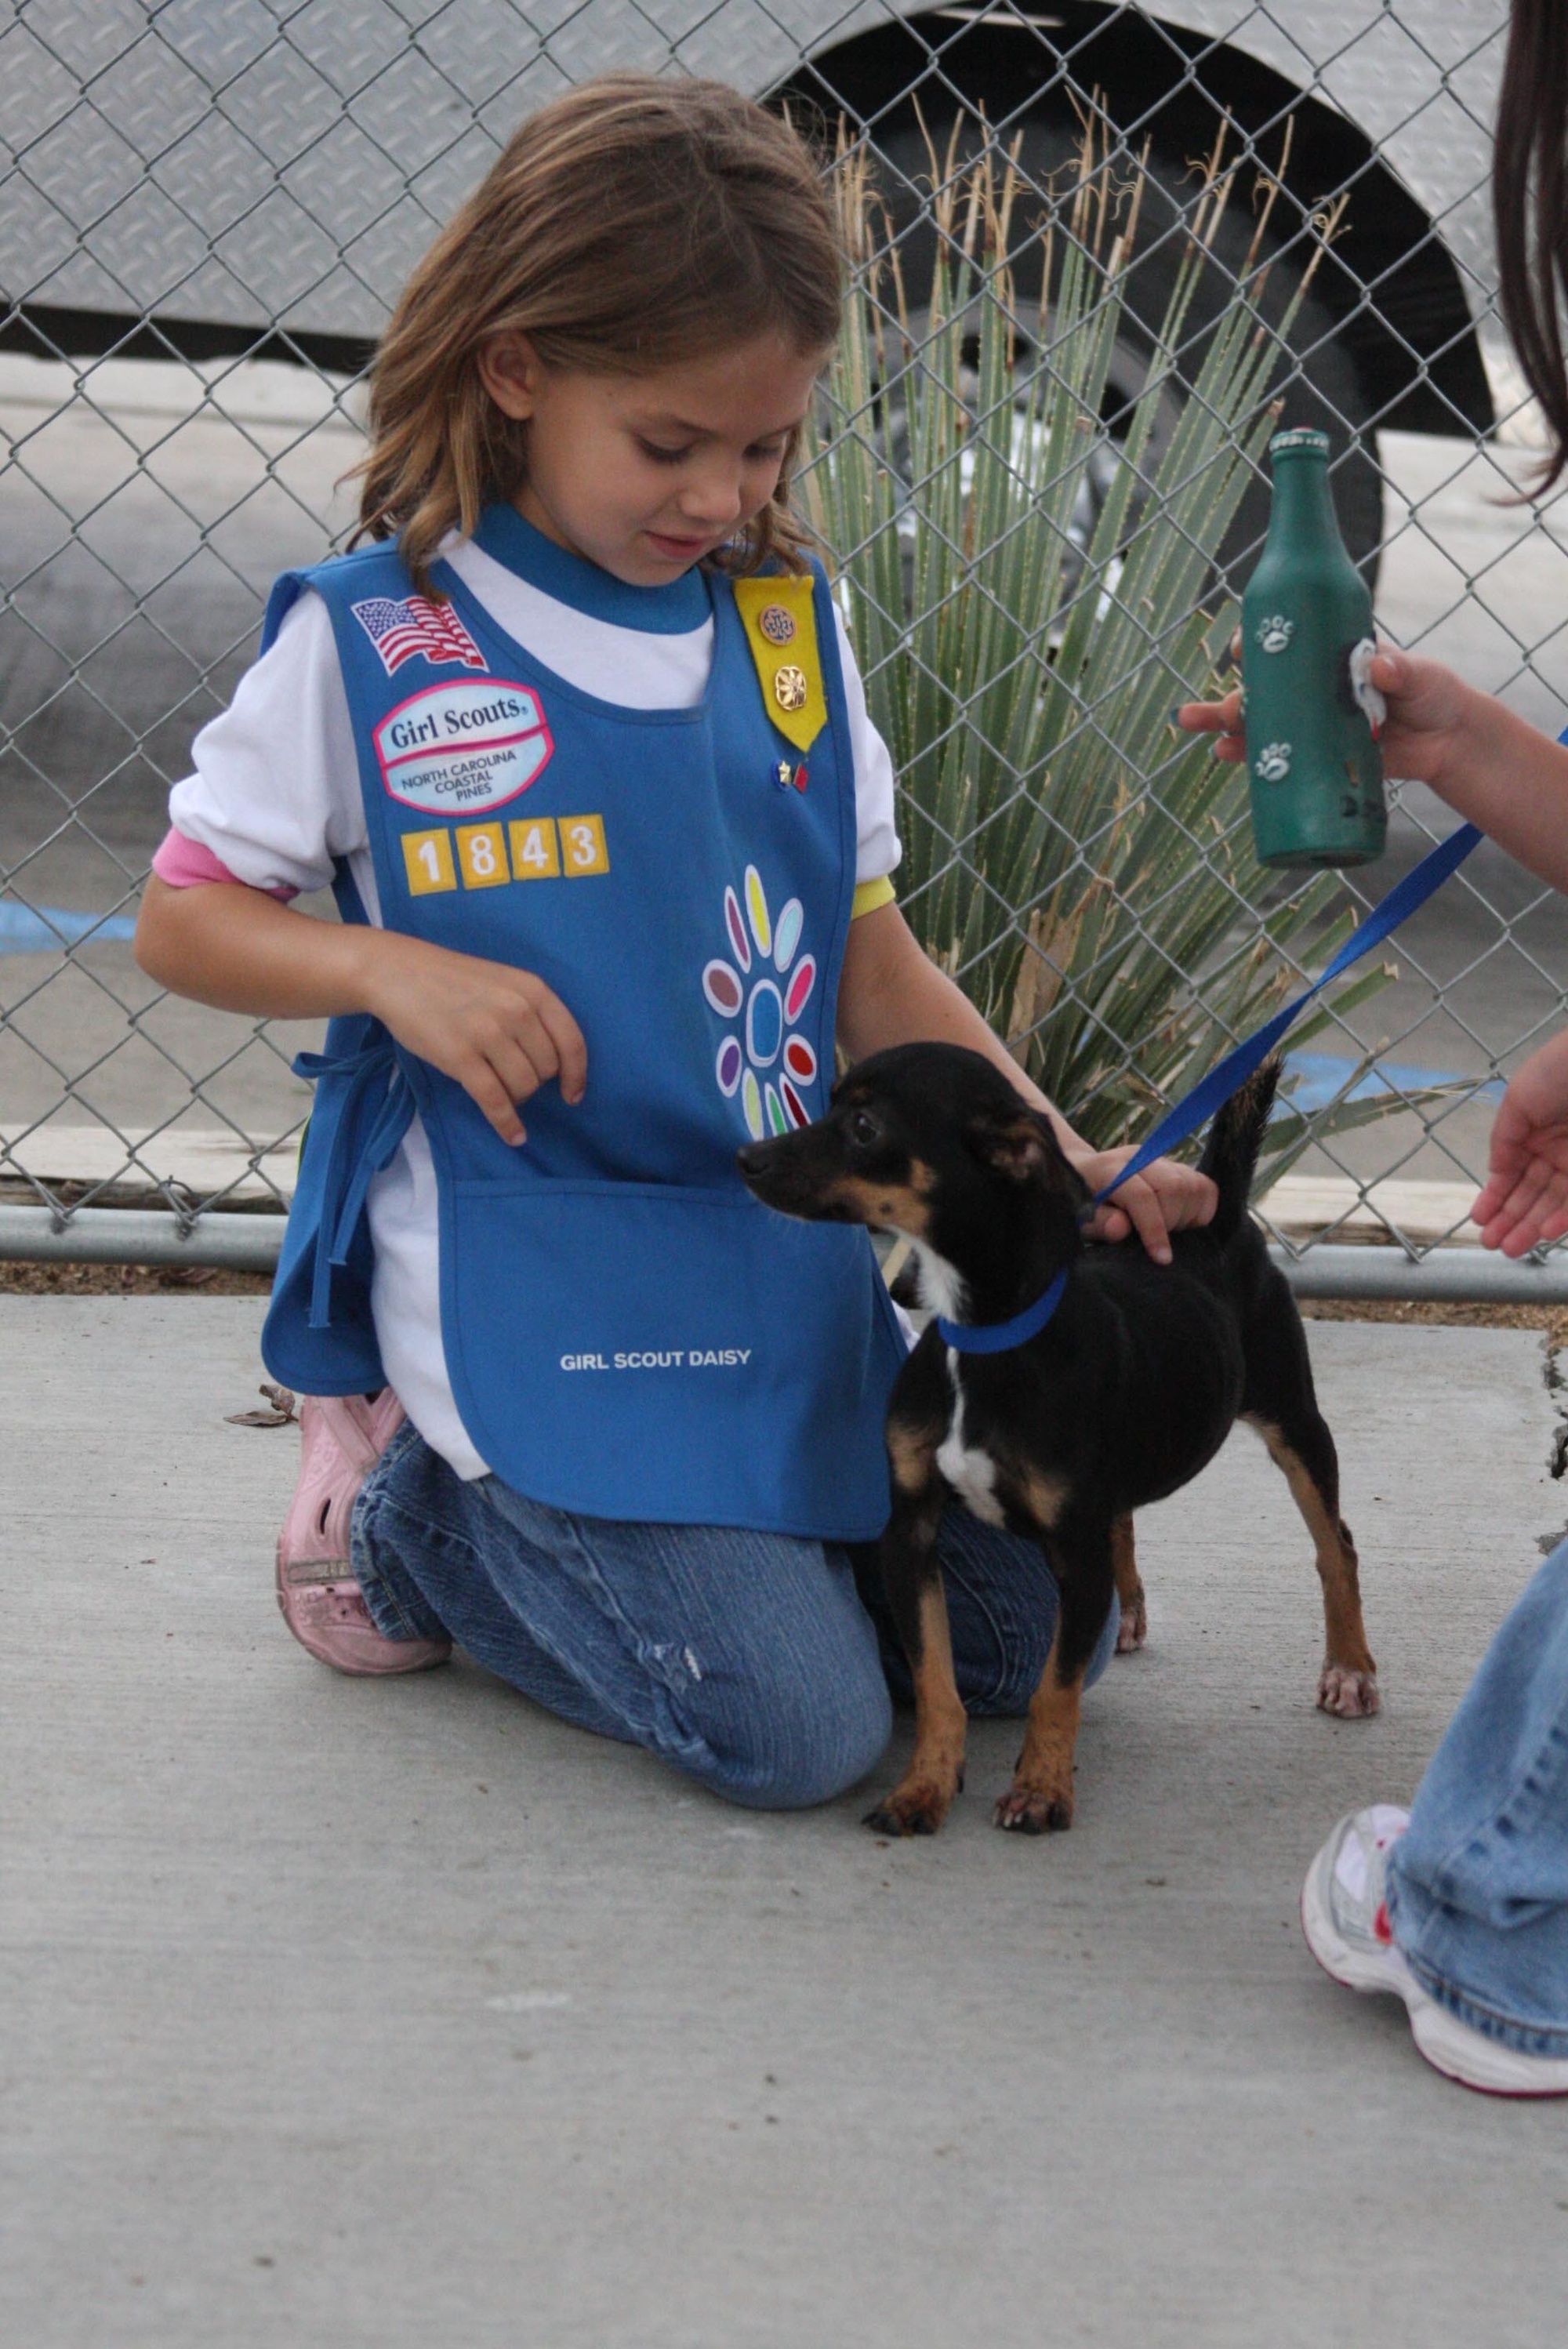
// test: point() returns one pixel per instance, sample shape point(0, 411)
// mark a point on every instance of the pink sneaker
point(342, 1438)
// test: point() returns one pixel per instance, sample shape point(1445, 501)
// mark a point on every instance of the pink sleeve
point(182, 864)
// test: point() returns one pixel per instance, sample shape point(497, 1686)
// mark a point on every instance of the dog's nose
point(754, 1158)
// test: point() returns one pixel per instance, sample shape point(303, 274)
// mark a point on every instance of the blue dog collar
point(1001, 1337)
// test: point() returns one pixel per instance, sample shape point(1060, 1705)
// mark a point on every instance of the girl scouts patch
point(456, 749)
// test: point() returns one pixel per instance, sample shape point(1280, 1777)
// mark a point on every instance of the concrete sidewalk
point(403, 2015)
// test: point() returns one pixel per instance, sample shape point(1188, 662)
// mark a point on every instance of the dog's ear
point(1021, 1145)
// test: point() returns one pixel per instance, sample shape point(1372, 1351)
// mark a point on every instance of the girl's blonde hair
point(627, 226)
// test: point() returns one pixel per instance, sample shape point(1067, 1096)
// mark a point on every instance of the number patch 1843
point(484, 855)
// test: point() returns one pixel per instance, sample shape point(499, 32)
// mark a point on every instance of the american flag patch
point(400, 630)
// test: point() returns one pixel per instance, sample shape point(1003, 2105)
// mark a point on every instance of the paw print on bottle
point(764, 987)
point(1273, 762)
point(1274, 632)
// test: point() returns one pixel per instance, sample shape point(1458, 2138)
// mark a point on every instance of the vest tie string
point(354, 1159)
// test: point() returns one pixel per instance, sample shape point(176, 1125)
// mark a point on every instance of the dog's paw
point(1134, 1630)
point(916, 1810)
point(1026, 1810)
point(1351, 1695)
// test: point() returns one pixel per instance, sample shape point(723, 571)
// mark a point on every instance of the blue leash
point(1196, 1108)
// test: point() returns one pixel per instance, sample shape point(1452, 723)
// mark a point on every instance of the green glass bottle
point(1313, 718)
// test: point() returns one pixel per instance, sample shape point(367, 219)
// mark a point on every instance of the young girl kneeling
point(577, 738)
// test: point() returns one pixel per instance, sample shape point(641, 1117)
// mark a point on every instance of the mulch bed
point(129, 1280)
point(1551, 1319)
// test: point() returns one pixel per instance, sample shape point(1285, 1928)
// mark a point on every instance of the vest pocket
point(658, 1353)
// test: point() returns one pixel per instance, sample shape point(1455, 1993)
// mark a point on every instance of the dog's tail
point(1231, 1153)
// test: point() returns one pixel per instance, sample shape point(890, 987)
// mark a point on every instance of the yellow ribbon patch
point(781, 628)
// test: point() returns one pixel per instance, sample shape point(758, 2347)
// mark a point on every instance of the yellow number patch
point(429, 858)
point(481, 853)
point(583, 848)
point(534, 854)
point(544, 848)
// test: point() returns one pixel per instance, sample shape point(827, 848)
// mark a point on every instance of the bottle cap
point(1299, 442)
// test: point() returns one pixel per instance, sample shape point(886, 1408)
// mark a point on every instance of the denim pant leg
point(745, 1659)
point(1478, 1885)
point(1002, 1606)
point(412, 1536)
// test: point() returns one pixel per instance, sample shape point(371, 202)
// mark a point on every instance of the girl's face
point(646, 474)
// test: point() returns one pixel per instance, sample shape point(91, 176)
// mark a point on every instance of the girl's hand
point(1165, 1198)
point(1525, 1200)
point(1430, 713)
point(500, 1033)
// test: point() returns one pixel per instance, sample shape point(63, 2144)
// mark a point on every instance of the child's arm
point(498, 1033)
point(891, 993)
point(1494, 767)
point(1513, 781)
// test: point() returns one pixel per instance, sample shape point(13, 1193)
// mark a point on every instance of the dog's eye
point(864, 1129)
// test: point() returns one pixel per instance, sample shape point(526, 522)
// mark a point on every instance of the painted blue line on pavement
point(1320, 1075)
point(48, 928)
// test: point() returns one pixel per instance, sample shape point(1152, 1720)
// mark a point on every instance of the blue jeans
point(748, 1660)
point(1478, 1885)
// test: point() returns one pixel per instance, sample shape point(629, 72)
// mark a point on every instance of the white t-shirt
point(275, 797)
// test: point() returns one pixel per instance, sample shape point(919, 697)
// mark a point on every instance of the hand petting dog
point(1166, 1198)
point(892, 994)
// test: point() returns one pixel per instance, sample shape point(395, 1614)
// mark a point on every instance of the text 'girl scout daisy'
point(576, 738)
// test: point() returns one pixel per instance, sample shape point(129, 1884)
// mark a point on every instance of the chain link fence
point(206, 210)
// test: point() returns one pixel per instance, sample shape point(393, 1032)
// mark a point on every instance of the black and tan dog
point(1126, 1393)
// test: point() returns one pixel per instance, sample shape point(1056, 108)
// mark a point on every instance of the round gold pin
point(777, 624)
point(790, 689)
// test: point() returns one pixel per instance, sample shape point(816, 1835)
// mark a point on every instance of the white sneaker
point(1344, 1917)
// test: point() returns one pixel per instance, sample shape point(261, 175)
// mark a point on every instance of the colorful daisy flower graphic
point(764, 987)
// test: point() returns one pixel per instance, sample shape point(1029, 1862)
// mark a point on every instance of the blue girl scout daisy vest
point(628, 1333)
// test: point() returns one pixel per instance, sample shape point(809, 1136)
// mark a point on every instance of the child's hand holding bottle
point(1491, 766)
point(1512, 780)
point(1431, 716)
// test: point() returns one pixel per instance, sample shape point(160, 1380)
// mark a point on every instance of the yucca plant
point(1084, 870)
